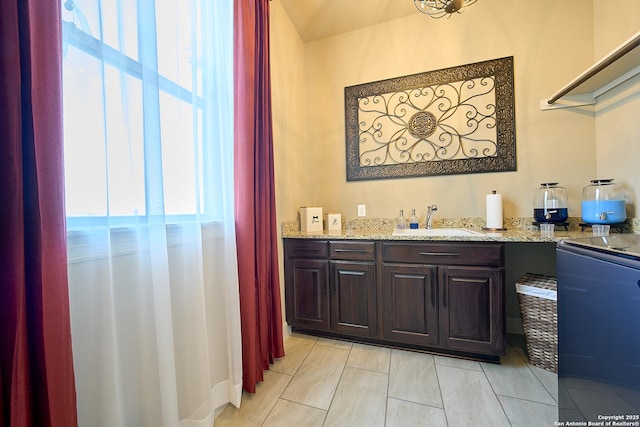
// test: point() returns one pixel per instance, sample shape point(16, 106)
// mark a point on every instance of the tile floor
point(324, 382)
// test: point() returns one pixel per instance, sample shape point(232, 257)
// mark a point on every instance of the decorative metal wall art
point(451, 121)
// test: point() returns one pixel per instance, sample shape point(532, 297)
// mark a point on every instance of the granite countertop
point(517, 230)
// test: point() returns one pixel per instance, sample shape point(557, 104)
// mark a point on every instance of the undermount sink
point(437, 232)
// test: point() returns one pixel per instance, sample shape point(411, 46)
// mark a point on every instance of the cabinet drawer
point(302, 248)
point(484, 254)
point(352, 250)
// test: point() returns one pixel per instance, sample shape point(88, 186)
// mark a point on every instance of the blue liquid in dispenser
point(558, 215)
point(591, 210)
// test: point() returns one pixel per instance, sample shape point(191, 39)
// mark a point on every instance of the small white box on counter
point(310, 219)
point(333, 222)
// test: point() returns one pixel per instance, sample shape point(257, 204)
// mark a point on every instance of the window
point(147, 106)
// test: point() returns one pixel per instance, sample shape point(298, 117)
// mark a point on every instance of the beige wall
point(556, 145)
point(618, 112)
point(550, 45)
point(288, 103)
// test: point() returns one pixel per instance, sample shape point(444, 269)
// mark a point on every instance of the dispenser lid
point(601, 181)
point(549, 184)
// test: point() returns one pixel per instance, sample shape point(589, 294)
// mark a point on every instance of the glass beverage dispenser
point(550, 203)
point(603, 202)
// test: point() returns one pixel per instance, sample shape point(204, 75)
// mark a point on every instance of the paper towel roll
point(494, 211)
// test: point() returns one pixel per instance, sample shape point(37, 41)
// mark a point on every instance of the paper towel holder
point(494, 229)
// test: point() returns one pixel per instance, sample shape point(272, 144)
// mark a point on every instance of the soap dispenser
point(413, 221)
point(401, 221)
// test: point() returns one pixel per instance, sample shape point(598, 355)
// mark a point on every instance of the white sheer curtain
point(148, 110)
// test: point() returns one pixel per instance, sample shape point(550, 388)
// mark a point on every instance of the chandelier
point(439, 8)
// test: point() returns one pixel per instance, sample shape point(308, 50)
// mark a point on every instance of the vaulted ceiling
point(316, 19)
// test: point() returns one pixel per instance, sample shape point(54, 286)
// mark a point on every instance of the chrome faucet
point(431, 211)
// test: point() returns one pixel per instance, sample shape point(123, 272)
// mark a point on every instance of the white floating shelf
point(620, 65)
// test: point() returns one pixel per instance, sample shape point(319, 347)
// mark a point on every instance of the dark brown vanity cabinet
point(307, 283)
point(410, 304)
point(472, 309)
point(447, 295)
point(331, 286)
point(430, 295)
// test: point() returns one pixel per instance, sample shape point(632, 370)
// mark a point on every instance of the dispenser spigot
point(603, 215)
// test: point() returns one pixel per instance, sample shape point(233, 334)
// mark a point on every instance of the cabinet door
point(472, 309)
point(353, 297)
point(306, 293)
point(410, 307)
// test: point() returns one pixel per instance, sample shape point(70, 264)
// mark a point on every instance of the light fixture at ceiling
point(440, 8)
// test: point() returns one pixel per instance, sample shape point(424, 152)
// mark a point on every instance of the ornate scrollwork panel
point(455, 120)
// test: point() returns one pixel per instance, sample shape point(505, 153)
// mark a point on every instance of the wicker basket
point(538, 307)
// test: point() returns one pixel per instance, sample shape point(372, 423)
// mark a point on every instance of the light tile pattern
point(361, 398)
point(325, 382)
point(469, 399)
point(413, 378)
point(317, 379)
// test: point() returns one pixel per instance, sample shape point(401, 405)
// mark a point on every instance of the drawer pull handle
point(433, 288)
point(439, 254)
point(307, 249)
point(360, 251)
point(445, 289)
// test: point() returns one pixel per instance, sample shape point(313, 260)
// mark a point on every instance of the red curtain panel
point(36, 366)
point(256, 231)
